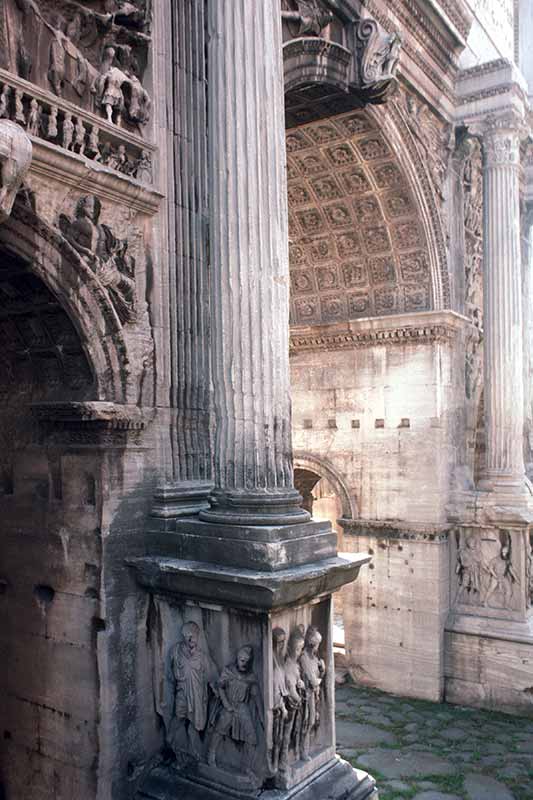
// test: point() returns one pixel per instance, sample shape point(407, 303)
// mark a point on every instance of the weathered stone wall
point(385, 415)
point(389, 418)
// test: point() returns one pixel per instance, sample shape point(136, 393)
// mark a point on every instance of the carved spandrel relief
point(473, 230)
point(485, 569)
point(433, 138)
point(106, 255)
point(65, 47)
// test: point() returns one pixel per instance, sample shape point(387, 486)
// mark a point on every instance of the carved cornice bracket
point(361, 61)
point(420, 328)
point(95, 423)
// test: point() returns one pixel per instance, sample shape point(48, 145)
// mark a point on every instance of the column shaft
point(249, 259)
point(503, 326)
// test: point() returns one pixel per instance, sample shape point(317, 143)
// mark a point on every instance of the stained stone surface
point(434, 751)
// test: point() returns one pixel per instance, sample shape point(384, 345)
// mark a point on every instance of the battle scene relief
point(76, 75)
point(93, 54)
point(492, 570)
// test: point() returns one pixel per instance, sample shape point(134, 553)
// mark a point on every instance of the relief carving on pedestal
point(213, 717)
point(195, 674)
point(105, 254)
point(298, 684)
point(485, 569)
point(238, 712)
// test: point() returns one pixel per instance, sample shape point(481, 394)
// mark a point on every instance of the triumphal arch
point(190, 190)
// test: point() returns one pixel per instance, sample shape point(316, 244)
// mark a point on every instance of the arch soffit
point(323, 468)
point(81, 295)
point(361, 238)
point(399, 132)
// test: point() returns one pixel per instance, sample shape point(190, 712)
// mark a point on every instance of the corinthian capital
point(502, 135)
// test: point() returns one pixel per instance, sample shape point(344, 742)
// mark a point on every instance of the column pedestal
point(240, 616)
point(489, 632)
point(260, 641)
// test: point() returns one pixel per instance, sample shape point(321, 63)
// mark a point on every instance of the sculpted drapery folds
point(485, 569)
point(280, 712)
point(194, 672)
point(238, 713)
point(313, 672)
point(311, 15)
point(298, 677)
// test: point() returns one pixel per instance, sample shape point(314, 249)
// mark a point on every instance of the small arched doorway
point(326, 497)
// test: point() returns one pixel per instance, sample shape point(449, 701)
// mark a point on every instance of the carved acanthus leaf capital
point(501, 136)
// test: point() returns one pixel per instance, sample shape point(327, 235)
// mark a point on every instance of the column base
point(182, 499)
point(262, 547)
point(337, 780)
point(269, 507)
point(503, 484)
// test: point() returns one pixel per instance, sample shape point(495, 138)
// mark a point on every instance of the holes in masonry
point(98, 624)
point(308, 423)
point(44, 596)
point(356, 423)
point(332, 423)
point(405, 423)
point(7, 735)
point(379, 423)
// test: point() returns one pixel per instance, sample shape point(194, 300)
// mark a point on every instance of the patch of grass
point(385, 793)
point(452, 784)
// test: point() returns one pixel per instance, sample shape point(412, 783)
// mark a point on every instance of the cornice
point(426, 35)
point(77, 172)
point(424, 327)
point(493, 89)
point(93, 412)
point(397, 529)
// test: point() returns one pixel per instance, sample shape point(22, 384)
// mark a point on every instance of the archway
point(326, 497)
point(50, 547)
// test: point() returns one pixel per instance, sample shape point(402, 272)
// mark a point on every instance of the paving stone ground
point(418, 750)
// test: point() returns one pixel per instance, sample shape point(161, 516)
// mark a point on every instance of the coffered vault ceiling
point(357, 244)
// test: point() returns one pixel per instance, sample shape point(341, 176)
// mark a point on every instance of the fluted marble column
point(503, 324)
point(188, 477)
point(249, 264)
